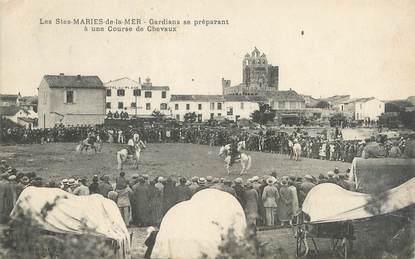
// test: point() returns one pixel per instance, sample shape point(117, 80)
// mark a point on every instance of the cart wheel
point(301, 242)
point(344, 248)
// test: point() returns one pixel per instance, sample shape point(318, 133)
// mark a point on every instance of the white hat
point(271, 180)
point(255, 178)
point(202, 180)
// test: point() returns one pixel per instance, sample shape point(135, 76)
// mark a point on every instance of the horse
point(296, 150)
point(244, 159)
point(123, 156)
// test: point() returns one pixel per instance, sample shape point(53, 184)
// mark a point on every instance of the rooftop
point(217, 98)
point(289, 95)
point(78, 81)
point(9, 110)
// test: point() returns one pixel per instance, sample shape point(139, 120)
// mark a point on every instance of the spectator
point(270, 198)
point(94, 186)
point(82, 189)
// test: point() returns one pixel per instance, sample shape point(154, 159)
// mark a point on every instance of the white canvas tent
point(72, 214)
point(329, 202)
point(195, 227)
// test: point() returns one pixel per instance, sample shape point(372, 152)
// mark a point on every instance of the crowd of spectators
point(317, 147)
point(267, 200)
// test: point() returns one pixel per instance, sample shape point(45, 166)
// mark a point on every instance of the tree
point(323, 105)
point(263, 115)
point(190, 117)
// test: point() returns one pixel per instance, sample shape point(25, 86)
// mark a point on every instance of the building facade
point(364, 109)
point(70, 100)
point(10, 99)
point(136, 98)
point(258, 76)
point(208, 107)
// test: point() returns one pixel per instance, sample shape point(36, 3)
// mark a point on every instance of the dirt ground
point(59, 160)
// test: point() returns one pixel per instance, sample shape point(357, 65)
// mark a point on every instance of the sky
point(357, 47)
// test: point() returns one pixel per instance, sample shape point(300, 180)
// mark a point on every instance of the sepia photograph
point(215, 129)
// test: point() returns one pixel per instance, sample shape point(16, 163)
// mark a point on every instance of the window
point(219, 114)
point(360, 106)
point(199, 106)
point(148, 106)
point(229, 111)
point(178, 117)
point(242, 106)
point(212, 106)
point(120, 92)
point(281, 105)
point(108, 92)
point(69, 97)
point(163, 106)
point(137, 92)
point(187, 106)
point(108, 105)
point(134, 105)
point(176, 106)
point(163, 94)
point(147, 94)
point(219, 106)
point(211, 116)
point(120, 105)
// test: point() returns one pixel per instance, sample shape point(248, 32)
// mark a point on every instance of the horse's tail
point(249, 162)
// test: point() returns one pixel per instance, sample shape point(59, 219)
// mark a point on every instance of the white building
point(232, 107)
point(136, 98)
point(364, 109)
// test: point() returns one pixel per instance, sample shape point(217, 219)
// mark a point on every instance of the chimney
point(139, 80)
point(61, 74)
point(78, 77)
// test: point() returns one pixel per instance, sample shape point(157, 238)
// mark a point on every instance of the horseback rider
point(233, 150)
point(134, 144)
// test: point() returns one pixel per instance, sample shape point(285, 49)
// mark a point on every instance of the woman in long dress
point(251, 204)
point(155, 204)
point(285, 207)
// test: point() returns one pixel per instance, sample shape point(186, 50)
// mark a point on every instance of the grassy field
point(59, 160)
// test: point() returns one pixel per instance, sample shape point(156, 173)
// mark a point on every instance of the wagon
point(341, 235)
point(332, 212)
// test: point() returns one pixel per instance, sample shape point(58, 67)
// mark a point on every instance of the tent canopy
point(195, 227)
point(329, 202)
point(381, 174)
point(72, 214)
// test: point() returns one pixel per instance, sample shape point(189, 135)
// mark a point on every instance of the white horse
point(123, 156)
point(244, 158)
point(297, 151)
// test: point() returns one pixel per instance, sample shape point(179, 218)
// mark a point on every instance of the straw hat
point(271, 180)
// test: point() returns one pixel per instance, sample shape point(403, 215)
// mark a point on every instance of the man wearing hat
point(202, 184)
point(239, 190)
point(104, 186)
point(82, 189)
point(305, 187)
point(94, 186)
point(140, 200)
point(193, 186)
point(270, 197)
point(183, 191)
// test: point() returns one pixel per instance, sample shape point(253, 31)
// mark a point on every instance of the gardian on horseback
point(233, 153)
point(133, 150)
